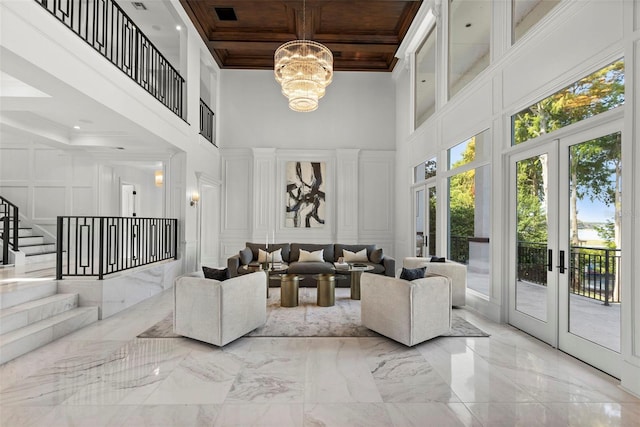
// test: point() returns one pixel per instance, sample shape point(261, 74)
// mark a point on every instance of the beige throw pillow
point(306, 256)
point(275, 256)
point(360, 256)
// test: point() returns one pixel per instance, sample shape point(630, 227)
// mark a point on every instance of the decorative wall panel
point(14, 164)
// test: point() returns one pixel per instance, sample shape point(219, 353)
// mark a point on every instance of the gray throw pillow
point(376, 256)
point(246, 256)
point(215, 274)
point(437, 259)
point(413, 273)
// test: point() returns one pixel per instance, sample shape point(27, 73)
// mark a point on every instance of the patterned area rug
point(310, 320)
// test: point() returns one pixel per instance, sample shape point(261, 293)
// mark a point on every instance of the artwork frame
point(305, 194)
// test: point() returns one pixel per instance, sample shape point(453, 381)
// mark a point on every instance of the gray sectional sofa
point(382, 264)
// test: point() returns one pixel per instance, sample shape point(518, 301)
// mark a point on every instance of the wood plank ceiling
point(363, 35)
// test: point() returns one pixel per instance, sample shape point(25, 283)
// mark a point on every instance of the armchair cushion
point(215, 273)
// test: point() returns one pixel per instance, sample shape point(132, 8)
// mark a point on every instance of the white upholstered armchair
point(219, 312)
point(409, 312)
point(454, 270)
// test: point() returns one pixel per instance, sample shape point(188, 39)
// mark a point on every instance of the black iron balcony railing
point(97, 245)
point(108, 29)
point(593, 272)
point(207, 122)
point(9, 214)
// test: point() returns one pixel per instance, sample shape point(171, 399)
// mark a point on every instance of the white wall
point(574, 40)
point(357, 111)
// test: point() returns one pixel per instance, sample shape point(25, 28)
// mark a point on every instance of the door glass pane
point(469, 224)
point(432, 220)
point(419, 224)
point(595, 195)
point(532, 231)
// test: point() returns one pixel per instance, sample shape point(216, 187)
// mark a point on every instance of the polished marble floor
point(104, 376)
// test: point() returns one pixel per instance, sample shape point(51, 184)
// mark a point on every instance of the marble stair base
point(30, 312)
point(12, 294)
point(23, 340)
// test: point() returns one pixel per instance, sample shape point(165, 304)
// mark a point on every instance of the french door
point(564, 276)
point(424, 225)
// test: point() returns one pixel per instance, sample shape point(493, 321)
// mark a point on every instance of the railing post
point(101, 251)
point(16, 229)
point(5, 240)
point(606, 277)
point(59, 232)
point(175, 239)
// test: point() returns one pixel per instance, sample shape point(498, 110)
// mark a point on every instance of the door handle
point(550, 260)
point(561, 267)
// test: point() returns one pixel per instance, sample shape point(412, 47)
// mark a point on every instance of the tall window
point(469, 221)
point(425, 83)
point(598, 92)
point(527, 13)
point(469, 41)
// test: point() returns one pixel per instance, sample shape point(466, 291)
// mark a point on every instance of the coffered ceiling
point(363, 35)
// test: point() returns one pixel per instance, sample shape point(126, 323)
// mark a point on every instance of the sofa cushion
point(246, 256)
point(353, 248)
point(215, 273)
point(310, 268)
point(413, 273)
point(376, 256)
point(315, 256)
point(310, 247)
point(360, 256)
point(286, 249)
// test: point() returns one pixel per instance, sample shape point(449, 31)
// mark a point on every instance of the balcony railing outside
point(108, 29)
point(207, 122)
point(9, 214)
point(97, 246)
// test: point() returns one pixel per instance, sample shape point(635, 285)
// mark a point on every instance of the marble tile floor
point(103, 375)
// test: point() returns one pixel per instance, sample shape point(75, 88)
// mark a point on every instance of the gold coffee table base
point(326, 290)
point(289, 290)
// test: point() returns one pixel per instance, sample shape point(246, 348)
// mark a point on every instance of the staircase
point(32, 314)
point(34, 247)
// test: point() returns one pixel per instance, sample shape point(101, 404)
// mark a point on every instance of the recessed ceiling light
point(178, 27)
point(76, 127)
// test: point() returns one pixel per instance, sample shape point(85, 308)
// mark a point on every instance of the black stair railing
point(108, 29)
point(98, 245)
point(207, 122)
point(9, 214)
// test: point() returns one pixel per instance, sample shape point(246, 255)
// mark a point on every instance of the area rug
point(310, 320)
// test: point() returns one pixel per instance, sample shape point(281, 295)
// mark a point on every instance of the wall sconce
point(159, 178)
point(195, 198)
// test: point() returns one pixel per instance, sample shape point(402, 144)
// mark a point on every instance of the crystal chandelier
point(304, 69)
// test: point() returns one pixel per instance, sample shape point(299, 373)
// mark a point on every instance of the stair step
point(30, 312)
point(22, 231)
point(41, 257)
point(41, 248)
point(23, 340)
point(19, 292)
point(30, 240)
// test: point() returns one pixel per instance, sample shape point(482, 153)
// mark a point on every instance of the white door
point(565, 254)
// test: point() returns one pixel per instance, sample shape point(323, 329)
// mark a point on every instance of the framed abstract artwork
point(305, 195)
